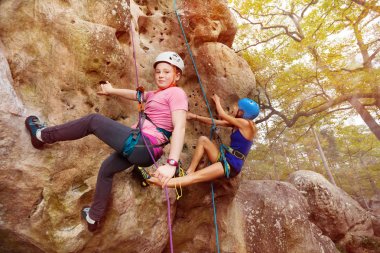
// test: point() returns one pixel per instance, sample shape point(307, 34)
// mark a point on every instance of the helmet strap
point(239, 113)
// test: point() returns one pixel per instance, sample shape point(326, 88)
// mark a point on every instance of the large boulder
point(338, 215)
point(9, 103)
point(260, 216)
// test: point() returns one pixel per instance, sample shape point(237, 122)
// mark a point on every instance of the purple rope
point(146, 144)
point(134, 53)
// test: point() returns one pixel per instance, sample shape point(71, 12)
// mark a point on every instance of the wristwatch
point(172, 162)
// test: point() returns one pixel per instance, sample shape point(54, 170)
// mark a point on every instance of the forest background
point(317, 68)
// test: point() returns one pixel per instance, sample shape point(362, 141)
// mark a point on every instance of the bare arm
point(236, 122)
point(178, 135)
point(207, 120)
point(246, 127)
point(166, 172)
point(107, 89)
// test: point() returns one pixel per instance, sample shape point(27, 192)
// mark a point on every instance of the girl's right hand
point(190, 115)
point(106, 88)
point(216, 99)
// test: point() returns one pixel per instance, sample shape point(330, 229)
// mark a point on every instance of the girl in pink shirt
point(165, 111)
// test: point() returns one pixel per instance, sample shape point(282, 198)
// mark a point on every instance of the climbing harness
point(222, 155)
point(213, 127)
point(131, 142)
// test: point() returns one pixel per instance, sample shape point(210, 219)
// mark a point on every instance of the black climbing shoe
point(141, 175)
point(90, 227)
point(32, 123)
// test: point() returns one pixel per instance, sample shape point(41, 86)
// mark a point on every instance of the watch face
point(171, 162)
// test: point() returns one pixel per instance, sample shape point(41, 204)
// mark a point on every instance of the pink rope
point(146, 144)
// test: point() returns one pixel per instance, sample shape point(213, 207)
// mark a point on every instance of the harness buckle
point(237, 154)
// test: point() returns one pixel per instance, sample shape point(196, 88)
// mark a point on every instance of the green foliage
point(318, 59)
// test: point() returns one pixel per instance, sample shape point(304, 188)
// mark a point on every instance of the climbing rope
point(140, 99)
point(213, 127)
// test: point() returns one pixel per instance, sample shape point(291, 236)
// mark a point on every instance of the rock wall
point(339, 216)
point(57, 52)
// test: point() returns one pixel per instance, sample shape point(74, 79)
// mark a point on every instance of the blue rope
point(194, 64)
point(213, 127)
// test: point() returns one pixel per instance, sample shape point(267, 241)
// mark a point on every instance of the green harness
point(222, 156)
point(131, 142)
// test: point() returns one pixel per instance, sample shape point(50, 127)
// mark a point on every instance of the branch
point(260, 42)
point(372, 42)
point(321, 108)
point(286, 29)
point(307, 7)
point(373, 55)
point(371, 5)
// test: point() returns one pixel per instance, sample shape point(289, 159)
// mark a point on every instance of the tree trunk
point(323, 157)
point(287, 159)
point(296, 156)
point(377, 102)
point(368, 119)
point(372, 183)
point(276, 175)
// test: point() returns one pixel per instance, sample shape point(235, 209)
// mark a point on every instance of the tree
point(305, 55)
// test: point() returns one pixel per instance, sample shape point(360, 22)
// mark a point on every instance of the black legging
point(113, 134)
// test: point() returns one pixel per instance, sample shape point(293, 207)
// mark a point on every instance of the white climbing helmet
point(172, 58)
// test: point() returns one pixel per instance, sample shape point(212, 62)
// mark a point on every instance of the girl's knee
point(95, 117)
point(104, 172)
point(94, 120)
point(107, 170)
point(203, 139)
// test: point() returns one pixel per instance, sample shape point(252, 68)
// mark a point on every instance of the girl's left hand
point(106, 89)
point(164, 173)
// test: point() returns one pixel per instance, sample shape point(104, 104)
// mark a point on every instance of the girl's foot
point(92, 225)
point(33, 123)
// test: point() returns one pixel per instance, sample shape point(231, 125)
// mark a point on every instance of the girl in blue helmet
point(226, 160)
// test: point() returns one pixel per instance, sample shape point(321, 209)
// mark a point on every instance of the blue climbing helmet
point(249, 107)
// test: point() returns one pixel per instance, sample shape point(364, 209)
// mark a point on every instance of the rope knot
point(140, 89)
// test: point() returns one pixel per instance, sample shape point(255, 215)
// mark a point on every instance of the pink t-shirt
point(159, 106)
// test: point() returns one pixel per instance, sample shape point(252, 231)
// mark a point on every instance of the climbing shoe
point(141, 175)
point(32, 123)
point(90, 227)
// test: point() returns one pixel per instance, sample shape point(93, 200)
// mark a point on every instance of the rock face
point(263, 216)
point(338, 215)
point(277, 219)
point(9, 103)
point(57, 52)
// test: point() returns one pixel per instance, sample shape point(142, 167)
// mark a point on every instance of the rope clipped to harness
point(140, 98)
point(223, 160)
point(222, 154)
